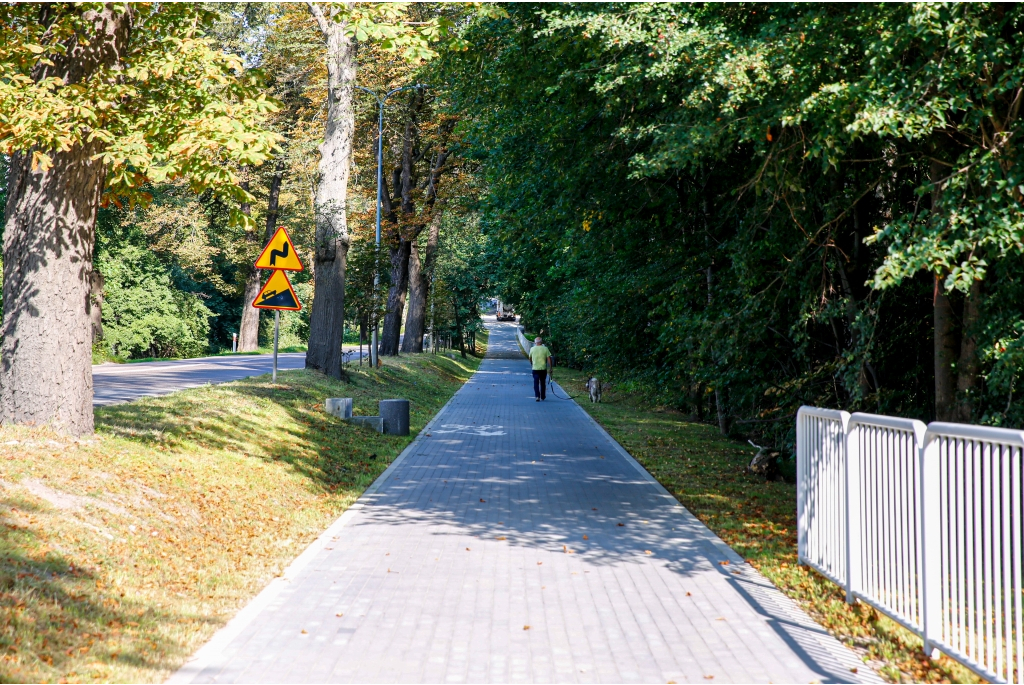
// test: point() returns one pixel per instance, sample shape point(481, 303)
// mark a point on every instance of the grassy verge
point(706, 472)
point(121, 554)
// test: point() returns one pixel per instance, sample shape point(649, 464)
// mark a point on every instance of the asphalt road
point(116, 383)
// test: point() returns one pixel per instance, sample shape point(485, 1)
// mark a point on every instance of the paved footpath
point(515, 541)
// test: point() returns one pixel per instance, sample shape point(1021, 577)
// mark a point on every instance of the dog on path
point(594, 388)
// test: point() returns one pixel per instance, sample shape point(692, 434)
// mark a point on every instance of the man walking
point(540, 357)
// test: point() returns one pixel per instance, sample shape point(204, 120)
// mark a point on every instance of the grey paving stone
point(519, 483)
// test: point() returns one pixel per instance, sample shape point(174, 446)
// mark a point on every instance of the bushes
point(144, 315)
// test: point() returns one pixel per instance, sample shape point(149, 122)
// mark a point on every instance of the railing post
point(930, 527)
point(801, 487)
point(853, 513)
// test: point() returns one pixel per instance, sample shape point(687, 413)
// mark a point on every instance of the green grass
point(707, 473)
point(121, 554)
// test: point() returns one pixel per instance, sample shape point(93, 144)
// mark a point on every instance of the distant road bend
point(116, 383)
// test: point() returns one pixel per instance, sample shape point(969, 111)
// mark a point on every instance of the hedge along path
point(515, 541)
point(121, 554)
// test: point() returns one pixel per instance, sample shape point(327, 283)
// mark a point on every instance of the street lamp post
point(380, 171)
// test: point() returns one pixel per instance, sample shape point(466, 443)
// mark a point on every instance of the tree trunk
point(968, 367)
point(249, 329)
point(392, 329)
point(326, 321)
point(945, 355)
point(945, 334)
point(419, 285)
point(415, 319)
point(96, 284)
point(49, 235)
point(419, 288)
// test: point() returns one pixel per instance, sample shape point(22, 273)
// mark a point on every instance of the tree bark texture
point(392, 329)
point(945, 355)
point(249, 329)
point(96, 283)
point(419, 284)
point(399, 247)
point(415, 316)
point(326, 321)
point(944, 324)
point(968, 367)
point(46, 368)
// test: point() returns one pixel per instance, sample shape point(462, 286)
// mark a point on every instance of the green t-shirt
point(539, 355)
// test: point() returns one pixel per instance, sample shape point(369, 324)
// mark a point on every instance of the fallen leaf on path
point(539, 563)
point(339, 614)
point(647, 551)
point(708, 677)
point(501, 537)
point(585, 537)
point(305, 632)
point(467, 549)
point(483, 500)
point(622, 524)
point(526, 627)
point(687, 594)
point(724, 563)
point(720, 618)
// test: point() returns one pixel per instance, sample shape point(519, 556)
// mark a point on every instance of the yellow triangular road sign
point(277, 294)
point(280, 253)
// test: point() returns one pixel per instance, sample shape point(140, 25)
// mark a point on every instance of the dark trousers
point(540, 384)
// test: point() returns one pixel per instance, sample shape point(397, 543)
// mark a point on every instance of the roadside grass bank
point(121, 554)
point(707, 474)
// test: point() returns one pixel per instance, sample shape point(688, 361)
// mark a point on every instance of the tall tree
point(327, 317)
point(341, 26)
point(249, 328)
point(92, 100)
point(399, 238)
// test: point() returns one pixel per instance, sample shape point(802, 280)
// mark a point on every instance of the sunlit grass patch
point(121, 554)
point(707, 473)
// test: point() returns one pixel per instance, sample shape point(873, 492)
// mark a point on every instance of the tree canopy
point(763, 204)
point(742, 208)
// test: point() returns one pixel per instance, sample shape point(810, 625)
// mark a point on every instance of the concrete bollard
point(339, 406)
point(372, 422)
point(396, 416)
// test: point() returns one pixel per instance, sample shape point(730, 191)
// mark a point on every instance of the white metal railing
point(821, 490)
point(922, 523)
point(524, 344)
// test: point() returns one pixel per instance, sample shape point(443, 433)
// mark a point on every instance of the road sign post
point(278, 294)
point(277, 334)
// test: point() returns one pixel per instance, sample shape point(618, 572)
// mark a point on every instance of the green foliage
point(741, 202)
point(461, 278)
point(144, 315)
point(173, 105)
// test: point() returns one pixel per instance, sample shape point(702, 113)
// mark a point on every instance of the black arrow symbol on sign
point(282, 253)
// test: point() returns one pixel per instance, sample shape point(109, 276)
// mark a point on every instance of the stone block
point(374, 422)
point(339, 406)
point(396, 416)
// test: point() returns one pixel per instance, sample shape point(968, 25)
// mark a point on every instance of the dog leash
point(551, 387)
